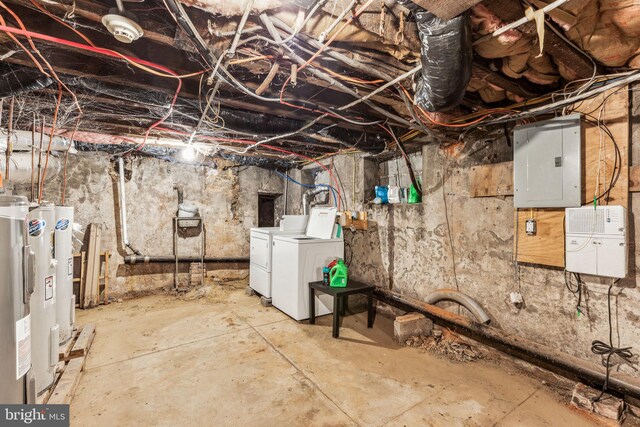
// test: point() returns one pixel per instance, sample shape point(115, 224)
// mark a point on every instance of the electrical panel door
point(547, 163)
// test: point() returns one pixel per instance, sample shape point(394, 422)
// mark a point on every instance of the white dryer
point(298, 260)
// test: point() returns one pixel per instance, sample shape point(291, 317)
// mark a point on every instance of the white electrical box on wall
point(547, 163)
point(596, 240)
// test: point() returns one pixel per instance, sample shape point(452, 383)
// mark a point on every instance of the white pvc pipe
point(123, 206)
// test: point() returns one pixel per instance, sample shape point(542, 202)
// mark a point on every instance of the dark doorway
point(266, 210)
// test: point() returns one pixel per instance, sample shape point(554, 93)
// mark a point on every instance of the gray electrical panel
point(547, 160)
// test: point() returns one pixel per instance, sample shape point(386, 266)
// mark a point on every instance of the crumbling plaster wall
point(228, 201)
point(411, 250)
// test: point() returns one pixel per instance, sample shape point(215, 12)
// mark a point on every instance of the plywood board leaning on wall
point(547, 246)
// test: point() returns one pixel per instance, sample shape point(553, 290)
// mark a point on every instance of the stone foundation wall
point(228, 201)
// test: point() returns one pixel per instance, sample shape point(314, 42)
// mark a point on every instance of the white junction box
point(547, 163)
point(596, 241)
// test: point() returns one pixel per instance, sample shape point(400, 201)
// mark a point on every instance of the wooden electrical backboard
point(492, 180)
point(547, 246)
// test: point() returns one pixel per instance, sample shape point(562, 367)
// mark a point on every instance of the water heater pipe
point(123, 210)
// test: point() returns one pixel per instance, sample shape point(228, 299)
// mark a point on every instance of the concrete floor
point(225, 360)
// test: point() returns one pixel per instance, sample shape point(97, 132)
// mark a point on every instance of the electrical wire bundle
point(575, 289)
point(213, 130)
point(607, 350)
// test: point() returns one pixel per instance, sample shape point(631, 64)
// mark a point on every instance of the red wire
point(155, 125)
point(106, 52)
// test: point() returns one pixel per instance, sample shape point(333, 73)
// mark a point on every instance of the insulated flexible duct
point(446, 57)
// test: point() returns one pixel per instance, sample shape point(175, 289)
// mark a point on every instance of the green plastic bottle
point(338, 275)
point(414, 195)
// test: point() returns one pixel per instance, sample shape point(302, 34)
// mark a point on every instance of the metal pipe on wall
point(286, 193)
point(9, 145)
point(463, 299)
point(21, 170)
point(148, 259)
point(529, 351)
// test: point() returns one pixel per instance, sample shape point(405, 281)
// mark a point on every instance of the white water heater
point(16, 286)
point(596, 240)
point(65, 299)
point(44, 329)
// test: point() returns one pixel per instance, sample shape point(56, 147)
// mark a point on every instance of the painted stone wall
point(454, 241)
point(228, 201)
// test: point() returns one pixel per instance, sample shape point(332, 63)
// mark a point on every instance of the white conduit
point(526, 19)
point(123, 206)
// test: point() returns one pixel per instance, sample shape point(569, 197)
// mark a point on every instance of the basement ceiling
point(282, 81)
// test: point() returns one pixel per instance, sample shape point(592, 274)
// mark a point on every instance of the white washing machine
point(261, 241)
point(298, 260)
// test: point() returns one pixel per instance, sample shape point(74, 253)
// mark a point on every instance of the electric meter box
point(596, 241)
point(547, 160)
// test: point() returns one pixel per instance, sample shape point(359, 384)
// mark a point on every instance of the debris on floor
point(592, 400)
point(447, 344)
point(215, 291)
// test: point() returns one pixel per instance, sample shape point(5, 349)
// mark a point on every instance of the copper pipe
point(66, 158)
point(9, 146)
point(51, 135)
point(33, 143)
point(40, 153)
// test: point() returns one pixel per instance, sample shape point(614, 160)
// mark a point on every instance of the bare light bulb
point(188, 153)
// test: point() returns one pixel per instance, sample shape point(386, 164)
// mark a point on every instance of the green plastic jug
point(414, 195)
point(338, 275)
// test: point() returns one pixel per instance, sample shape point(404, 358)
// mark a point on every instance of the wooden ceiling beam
point(169, 56)
point(99, 70)
point(520, 87)
point(93, 12)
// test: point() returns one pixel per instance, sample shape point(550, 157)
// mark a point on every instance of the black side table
point(340, 298)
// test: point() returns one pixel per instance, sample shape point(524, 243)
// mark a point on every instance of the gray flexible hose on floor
point(463, 299)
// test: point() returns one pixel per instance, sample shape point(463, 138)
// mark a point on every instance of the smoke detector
point(124, 29)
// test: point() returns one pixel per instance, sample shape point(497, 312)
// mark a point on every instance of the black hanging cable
point(412, 175)
point(602, 349)
point(576, 291)
point(617, 160)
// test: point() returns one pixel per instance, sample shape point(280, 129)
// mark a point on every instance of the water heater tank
point(65, 300)
point(16, 278)
point(44, 329)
